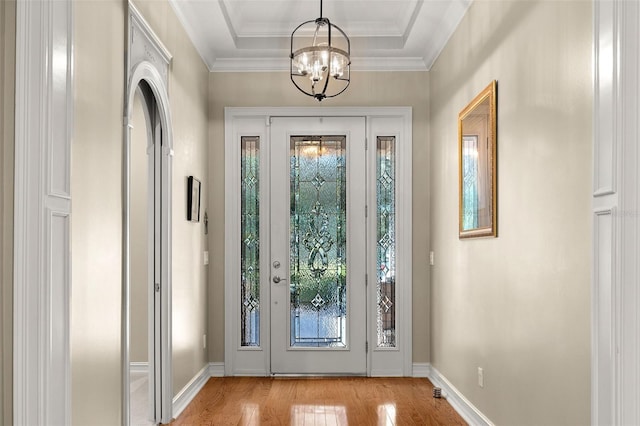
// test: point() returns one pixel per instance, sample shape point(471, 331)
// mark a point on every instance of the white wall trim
point(216, 369)
point(139, 367)
point(457, 400)
point(233, 112)
point(42, 215)
point(283, 64)
point(421, 369)
point(606, 43)
point(195, 385)
point(189, 391)
point(615, 357)
point(148, 60)
point(274, 58)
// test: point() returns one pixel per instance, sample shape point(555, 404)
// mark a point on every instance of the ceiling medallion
point(320, 58)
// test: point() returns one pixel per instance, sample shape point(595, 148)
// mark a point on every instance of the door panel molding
point(42, 252)
point(615, 297)
point(253, 121)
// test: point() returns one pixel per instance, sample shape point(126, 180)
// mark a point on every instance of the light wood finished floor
point(318, 401)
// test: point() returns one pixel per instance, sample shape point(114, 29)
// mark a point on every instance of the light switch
point(206, 257)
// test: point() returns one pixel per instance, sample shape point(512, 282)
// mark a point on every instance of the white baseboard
point(216, 369)
point(459, 403)
point(186, 395)
point(139, 367)
point(421, 369)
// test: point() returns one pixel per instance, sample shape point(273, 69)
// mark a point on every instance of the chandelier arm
point(333, 96)
point(346, 38)
point(315, 34)
point(298, 27)
point(291, 50)
point(299, 88)
point(326, 80)
point(294, 31)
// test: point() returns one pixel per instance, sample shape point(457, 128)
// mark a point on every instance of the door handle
point(277, 279)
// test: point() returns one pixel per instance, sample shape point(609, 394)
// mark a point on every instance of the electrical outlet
point(206, 257)
point(431, 258)
point(204, 341)
point(480, 377)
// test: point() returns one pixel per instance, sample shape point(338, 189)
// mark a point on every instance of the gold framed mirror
point(477, 166)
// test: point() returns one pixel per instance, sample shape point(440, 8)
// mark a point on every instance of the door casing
point(380, 121)
point(154, 75)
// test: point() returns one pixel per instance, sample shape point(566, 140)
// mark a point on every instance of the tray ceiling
point(253, 35)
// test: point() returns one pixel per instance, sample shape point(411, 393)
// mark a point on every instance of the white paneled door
point(318, 245)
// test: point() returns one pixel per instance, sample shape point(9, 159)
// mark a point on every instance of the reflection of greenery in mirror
point(477, 165)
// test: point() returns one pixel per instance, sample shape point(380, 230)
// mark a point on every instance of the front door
point(318, 245)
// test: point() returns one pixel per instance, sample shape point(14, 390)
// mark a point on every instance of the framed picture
point(193, 199)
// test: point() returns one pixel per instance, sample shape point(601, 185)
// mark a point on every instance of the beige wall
point(7, 90)
point(275, 89)
point(97, 202)
point(96, 225)
point(518, 305)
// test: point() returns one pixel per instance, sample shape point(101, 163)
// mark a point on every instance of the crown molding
point(224, 48)
point(282, 64)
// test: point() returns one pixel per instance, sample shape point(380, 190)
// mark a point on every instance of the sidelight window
point(386, 241)
point(250, 242)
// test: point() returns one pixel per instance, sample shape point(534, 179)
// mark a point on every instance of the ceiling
point(254, 35)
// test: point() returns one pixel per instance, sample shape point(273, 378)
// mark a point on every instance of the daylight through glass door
point(318, 264)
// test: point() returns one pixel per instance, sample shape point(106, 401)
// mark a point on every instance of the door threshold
point(315, 375)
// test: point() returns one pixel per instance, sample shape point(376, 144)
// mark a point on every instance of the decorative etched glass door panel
point(318, 291)
point(250, 241)
point(386, 241)
point(318, 241)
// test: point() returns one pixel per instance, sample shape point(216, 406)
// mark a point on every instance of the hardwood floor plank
point(253, 401)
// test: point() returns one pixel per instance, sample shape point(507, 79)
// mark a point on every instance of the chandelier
point(320, 58)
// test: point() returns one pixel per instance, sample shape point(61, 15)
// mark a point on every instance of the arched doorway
point(146, 90)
